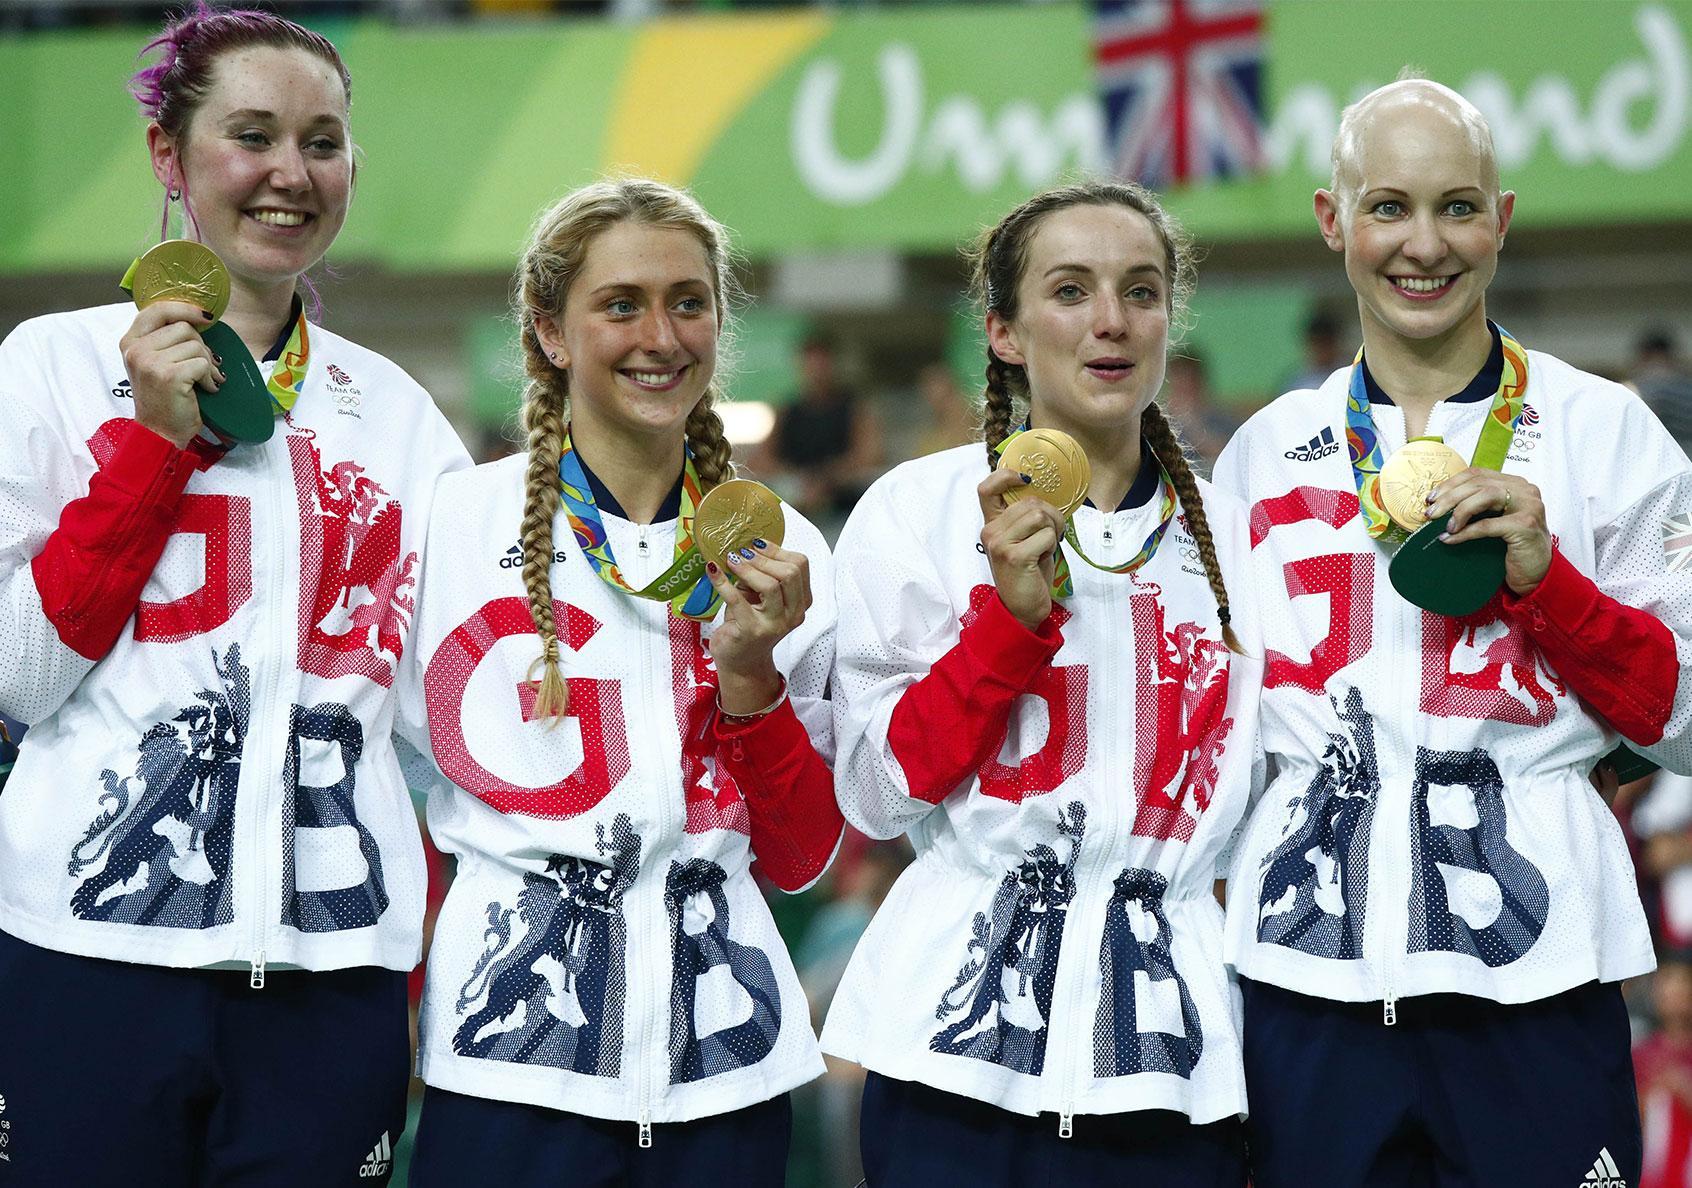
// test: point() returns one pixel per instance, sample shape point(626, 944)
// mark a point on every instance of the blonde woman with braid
point(1061, 716)
point(608, 998)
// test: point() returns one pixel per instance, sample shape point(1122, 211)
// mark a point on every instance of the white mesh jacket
point(1056, 945)
point(1428, 824)
point(604, 949)
point(207, 647)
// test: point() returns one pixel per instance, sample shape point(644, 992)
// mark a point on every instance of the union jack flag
point(1181, 85)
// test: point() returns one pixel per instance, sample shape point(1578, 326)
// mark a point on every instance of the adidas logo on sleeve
point(1319, 446)
point(1604, 1173)
point(380, 1159)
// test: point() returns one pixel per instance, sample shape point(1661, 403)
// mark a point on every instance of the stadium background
point(852, 148)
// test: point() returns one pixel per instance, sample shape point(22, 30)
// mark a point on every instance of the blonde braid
point(712, 455)
point(1160, 435)
point(543, 412)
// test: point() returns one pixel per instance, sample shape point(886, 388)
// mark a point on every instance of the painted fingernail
point(1027, 478)
point(758, 544)
point(711, 567)
point(208, 315)
point(733, 558)
point(746, 553)
point(1433, 494)
point(217, 358)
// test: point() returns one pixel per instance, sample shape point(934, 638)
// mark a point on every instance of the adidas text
point(513, 558)
point(376, 1163)
point(1319, 446)
point(1604, 1173)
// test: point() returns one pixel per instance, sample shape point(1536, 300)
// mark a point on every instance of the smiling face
point(265, 164)
point(1417, 212)
point(1091, 327)
point(638, 333)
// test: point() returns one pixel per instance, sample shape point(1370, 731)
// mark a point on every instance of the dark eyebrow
point(269, 117)
point(1155, 269)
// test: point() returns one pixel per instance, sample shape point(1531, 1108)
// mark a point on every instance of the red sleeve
point(92, 570)
point(789, 790)
point(1619, 658)
point(946, 725)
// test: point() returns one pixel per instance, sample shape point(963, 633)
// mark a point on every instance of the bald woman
point(1430, 908)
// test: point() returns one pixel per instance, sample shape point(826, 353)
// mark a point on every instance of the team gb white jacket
point(603, 949)
point(206, 646)
point(1055, 946)
point(1428, 824)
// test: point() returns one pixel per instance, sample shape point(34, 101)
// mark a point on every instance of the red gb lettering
point(356, 591)
point(596, 706)
point(1347, 579)
point(1483, 666)
point(1180, 693)
point(1063, 690)
point(224, 525)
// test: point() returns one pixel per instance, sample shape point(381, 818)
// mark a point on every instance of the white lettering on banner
point(1550, 109)
point(960, 134)
point(1636, 118)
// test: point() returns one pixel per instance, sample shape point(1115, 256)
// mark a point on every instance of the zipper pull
point(642, 545)
point(1066, 1124)
point(1108, 536)
point(1389, 1009)
point(255, 978)
point(645, 1139)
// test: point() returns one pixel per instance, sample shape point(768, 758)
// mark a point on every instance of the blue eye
point(1068, 291)
point(1461, 208)
point(253, 139)
point(691, 305)
point(1142, 293)
point(620, 307)
point(1389, 209)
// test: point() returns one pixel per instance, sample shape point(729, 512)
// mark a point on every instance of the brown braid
point(998, 405)
point(554, 256)
point(1160, 435)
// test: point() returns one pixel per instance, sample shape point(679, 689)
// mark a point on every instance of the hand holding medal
point(1485, 505)
point(1021, 535)
point(177, 285)
point(739, 528)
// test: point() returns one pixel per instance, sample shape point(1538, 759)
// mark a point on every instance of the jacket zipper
point(656, 1048)
point(281, 498)
point(1085, 866)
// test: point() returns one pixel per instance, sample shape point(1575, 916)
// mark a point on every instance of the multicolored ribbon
point(685, 585)
point(1364, 443)
point(288, 377)
point(1063, 582)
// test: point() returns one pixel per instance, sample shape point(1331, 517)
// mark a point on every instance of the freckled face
point(265, 163)
point(1092, 323)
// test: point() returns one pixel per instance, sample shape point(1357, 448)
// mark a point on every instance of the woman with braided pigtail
point(1058, 711)
point(612, 785)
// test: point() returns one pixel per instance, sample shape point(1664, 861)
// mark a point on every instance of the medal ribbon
point(1063, 582)
point(287, 378)
point(685, 585)
point(1364, 444)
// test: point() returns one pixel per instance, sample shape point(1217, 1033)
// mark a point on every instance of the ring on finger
point(1507, 500)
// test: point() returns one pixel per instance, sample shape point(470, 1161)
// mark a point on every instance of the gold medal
point(182, 270)
point(733, 515)
point(1417, 468)
point(1055, 464)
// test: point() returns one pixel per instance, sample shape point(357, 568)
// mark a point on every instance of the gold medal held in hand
point(182, 270)
point(1422, 464)
point(1056, 467)
point(733, 515)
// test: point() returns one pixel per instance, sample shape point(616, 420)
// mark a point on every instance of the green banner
point(815, 129)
